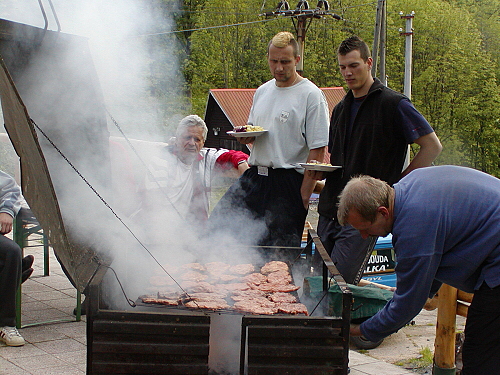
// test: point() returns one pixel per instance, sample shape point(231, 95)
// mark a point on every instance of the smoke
point(137, 71)
point(62, 97)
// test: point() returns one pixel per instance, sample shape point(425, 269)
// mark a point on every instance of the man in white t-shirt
point(181, 173)
point(275, 189)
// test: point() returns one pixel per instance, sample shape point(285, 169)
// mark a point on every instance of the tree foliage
point(456, 60)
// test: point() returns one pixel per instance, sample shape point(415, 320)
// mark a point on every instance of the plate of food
point(320, 167)
point(247, 131)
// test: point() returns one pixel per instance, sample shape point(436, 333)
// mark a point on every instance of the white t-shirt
point(176, 179)
point(296, 118)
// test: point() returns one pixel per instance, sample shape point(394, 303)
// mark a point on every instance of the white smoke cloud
point(122, 56)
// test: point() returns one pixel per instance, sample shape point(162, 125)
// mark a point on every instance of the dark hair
point(354, 43)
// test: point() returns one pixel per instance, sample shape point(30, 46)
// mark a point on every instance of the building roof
point(236, 103)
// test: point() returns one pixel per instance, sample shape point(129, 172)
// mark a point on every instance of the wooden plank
point(444, 353)
point(464, 296)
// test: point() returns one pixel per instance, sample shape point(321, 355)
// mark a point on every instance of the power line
point(239, 23)
point(204, 28)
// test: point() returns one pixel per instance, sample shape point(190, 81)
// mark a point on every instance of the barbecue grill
point(145, 339)
point(176, 340)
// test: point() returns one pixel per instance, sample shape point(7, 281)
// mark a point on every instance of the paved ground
point(60, 347)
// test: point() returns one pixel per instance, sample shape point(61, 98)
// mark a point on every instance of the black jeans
point(10, 274)
point(347, 248)
point(481, 349)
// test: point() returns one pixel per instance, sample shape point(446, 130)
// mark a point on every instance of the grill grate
point(148, 343)
point(274, 346)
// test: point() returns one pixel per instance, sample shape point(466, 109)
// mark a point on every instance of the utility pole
point(301, 17)
point(379, 39)
point(408, 33)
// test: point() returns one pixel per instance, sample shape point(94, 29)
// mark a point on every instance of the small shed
point(228, 108)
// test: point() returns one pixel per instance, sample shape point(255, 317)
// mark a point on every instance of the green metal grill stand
point(23, 228)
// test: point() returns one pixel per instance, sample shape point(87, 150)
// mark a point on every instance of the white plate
point(247, 134)
point(319, 167)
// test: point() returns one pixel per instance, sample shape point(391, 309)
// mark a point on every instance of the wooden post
point(444, 345)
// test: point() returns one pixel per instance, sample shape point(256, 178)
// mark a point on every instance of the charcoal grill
point(171, 340)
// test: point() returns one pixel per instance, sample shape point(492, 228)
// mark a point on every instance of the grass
point(425, 359)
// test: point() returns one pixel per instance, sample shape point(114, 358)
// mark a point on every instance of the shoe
point(26, 275)
point(27, 262)
point(11, 337)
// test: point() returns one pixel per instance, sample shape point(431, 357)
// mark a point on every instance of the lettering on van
point(380, 261)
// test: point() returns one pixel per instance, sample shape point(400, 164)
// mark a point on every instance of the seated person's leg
point(10, 274)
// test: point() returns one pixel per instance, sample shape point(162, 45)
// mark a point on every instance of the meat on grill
point(279, 277)
point(161, 280)
point(193, 276)
point(280, 297)
point(160, 301)
point(255, 278)
point(272, 287)
point(216, 304)
point(242, 269)
point(292, 308)
point(216, 268)
point(215, 285)
point(273, 266)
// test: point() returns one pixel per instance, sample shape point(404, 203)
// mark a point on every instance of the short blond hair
point(284, 39)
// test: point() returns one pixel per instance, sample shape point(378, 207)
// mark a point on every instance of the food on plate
point(248, 128)
point(314, 162)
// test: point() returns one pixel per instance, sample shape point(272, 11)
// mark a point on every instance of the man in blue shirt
point(445, 225)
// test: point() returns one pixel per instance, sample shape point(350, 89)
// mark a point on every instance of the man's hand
point(5, 223)
point(315, 175)
point(245, 140)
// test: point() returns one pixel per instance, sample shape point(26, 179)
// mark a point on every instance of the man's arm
point(235, 159)
point(10, 203)
point(430, 148)
point(10, 194)
point(309, 183)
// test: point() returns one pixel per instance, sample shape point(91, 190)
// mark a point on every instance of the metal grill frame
point(312, 345)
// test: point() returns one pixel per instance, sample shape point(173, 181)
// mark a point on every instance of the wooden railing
point(450, 302)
